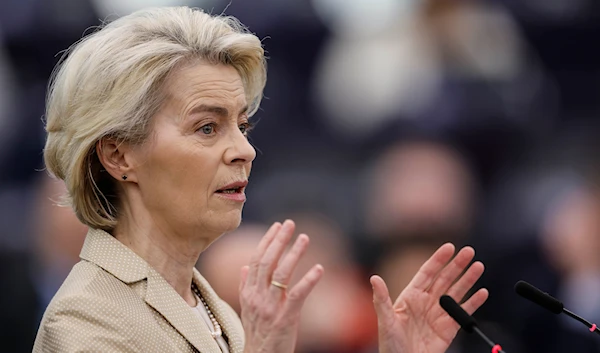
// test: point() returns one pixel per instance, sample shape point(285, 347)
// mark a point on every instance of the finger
point(266, 240)
point(284, 271)
point(243, 277)
point(452, 271)
point(382, 303)
point(430, 269)
point(476, 301)
point(297, 295)
point(273, 253)
point(466, 282)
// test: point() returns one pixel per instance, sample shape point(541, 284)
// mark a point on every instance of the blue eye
point(245, 128)
point(207, 129)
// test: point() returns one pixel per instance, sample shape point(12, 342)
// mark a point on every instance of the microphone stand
point(592, 327)
point(495, 347)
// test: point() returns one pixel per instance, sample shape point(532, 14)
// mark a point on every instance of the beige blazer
point(113, 301)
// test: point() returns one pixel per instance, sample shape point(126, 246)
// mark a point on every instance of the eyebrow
point(221, 111)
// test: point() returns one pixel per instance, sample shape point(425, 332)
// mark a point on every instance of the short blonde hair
point(110, 84)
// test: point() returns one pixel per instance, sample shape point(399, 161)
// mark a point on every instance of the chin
point(228, 222)
point(233, 225)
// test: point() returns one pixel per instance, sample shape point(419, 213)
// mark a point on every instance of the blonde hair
point(110, 83)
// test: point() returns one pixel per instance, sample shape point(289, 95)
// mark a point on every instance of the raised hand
point(415, 322)
point(270, 312)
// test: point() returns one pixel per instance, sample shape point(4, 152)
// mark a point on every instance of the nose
point(240, 151)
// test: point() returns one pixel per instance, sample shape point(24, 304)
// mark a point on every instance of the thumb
point(382, 302)
point(243, 276)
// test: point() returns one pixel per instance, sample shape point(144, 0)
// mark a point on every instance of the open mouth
point(237, 190)
point(233, 188)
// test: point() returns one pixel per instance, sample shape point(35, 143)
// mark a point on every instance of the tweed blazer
point(113, 301)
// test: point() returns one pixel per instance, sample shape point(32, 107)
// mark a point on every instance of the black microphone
point(466, 321)
point(549, 303)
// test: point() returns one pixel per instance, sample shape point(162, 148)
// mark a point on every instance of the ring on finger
point(279, 285)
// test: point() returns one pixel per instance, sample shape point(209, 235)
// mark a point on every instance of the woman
point(147, 122)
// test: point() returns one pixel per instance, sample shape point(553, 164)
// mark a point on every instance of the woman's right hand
point(270, 314)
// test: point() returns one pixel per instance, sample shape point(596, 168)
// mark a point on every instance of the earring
point(124, 177)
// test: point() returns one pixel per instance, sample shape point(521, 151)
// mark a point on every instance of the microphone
point(466, 321)
point(549, 303)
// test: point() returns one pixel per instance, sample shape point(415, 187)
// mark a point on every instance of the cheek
point(193, 176)
point(182, 174)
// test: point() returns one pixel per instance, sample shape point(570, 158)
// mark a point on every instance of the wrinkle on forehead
point(215, 84)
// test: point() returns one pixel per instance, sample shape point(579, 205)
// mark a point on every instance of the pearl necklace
point(217, 333)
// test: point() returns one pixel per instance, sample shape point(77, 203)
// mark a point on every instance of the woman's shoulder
point(89, 282)
point(88, 291)
point(92, 306)
point(89, 288)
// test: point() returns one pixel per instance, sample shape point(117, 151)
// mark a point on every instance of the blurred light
point(356, 17)
point(362, 82)
point(124, 7)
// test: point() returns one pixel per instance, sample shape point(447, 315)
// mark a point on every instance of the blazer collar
point(117, 259)
point(113, 256)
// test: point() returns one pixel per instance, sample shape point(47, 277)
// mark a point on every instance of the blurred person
point(536, 205)
point(155, 158)
point(57, 243)
point(336, 317)
point(551, 245)
point(421, 193)
point(569, 239)
point(57, 237)
point(460, 68)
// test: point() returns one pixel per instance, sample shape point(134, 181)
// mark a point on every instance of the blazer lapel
point(164, 299)
point(114, 257)
point(223, 316)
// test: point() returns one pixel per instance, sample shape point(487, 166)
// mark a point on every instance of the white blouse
point(200, 310)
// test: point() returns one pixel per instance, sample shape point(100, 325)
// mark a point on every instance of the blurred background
point(388, 128)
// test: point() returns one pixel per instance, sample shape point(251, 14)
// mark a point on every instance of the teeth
point(229, 191)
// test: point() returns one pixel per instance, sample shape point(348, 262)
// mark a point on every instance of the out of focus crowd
point(389, 127)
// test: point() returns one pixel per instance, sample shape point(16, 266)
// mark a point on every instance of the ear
point(117, 158)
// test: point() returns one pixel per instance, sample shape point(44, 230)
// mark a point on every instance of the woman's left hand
point(415, 322)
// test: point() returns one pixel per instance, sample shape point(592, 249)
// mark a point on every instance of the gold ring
point(279, 285)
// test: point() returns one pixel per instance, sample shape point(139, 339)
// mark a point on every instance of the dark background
point(388, 127)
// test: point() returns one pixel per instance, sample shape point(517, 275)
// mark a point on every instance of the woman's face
point(192, 171)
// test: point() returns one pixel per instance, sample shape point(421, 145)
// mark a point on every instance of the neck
point(171, 253)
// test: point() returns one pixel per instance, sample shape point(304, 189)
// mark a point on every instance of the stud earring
point(124, 177)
